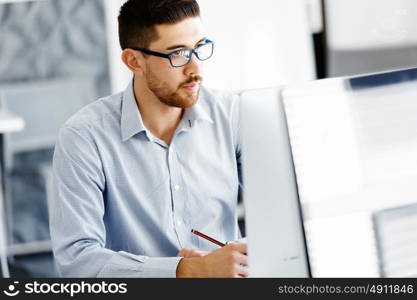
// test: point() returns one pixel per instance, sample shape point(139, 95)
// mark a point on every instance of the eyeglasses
point(181, 57)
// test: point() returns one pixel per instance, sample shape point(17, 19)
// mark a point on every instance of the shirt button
point(177, 187)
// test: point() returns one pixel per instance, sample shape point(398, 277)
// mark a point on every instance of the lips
point(191, 86)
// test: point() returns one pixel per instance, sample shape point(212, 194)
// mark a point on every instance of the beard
point(178, 97)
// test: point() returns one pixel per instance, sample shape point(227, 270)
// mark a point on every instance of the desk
point(8, 123)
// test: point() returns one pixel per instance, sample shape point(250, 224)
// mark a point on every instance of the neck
point(158, 118)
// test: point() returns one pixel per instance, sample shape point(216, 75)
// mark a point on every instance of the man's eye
point(181, 53)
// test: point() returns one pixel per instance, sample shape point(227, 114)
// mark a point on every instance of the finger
point(192, 253)
point(195, 253)
point(199, 252)
point(186, 252)
point(241, 247)
point(241, 259)
point(242, 271)
point(182, 252)
point(202, 253)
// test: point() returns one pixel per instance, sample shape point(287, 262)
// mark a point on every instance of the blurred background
point(58, 55)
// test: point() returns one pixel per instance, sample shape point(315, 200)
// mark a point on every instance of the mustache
point(195, 78)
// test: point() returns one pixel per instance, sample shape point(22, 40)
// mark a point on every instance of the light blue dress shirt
point(124, 202)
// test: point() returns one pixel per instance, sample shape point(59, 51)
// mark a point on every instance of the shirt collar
point(131, 119)
point(196, 113)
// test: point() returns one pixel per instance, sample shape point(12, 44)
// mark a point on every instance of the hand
point(228, 261)
point(187, 253)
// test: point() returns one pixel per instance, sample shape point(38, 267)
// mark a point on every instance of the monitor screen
point(354, 149)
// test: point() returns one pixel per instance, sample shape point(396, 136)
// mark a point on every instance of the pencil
point(208, 238)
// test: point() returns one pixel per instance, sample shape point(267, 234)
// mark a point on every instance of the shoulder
point(102, 114)
point(224, 108)
point(219, 97)
point(223, 102)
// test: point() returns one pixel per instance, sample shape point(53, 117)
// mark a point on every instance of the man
point(136, 171)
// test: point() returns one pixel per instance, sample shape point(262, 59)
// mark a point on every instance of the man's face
point(176, 86)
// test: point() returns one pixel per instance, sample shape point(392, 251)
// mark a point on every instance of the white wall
point(258, 44)
point(119, 73)
point(371, 24)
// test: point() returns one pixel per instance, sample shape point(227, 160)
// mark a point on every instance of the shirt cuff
point(160, 267)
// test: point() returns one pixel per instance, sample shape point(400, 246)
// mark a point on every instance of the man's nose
point(194, 66)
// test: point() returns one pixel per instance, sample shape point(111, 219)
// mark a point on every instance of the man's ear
point(134, 61)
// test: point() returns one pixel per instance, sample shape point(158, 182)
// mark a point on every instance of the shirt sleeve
point(236, 124)
point(76, 212)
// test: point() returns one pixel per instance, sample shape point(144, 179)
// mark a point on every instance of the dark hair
point(137, 19)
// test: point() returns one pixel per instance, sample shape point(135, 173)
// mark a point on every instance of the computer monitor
point(276, 244)
point(319, 160)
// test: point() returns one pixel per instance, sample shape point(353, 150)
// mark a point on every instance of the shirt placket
point(178, 195)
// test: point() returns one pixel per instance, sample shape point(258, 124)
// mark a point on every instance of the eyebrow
point(184, 46)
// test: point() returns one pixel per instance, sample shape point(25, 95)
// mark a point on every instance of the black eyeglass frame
point(168, 55)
